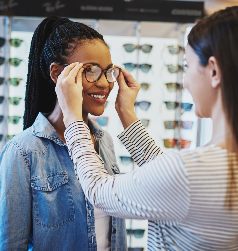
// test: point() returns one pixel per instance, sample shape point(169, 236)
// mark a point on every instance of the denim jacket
point(42, 205)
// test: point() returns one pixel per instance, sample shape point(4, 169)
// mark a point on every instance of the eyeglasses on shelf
point(14, 119)
point(145, 86)
point(146, 48)
point(180, 143)
point(102, 120)
point(12, 61)
point(174, 86)
point(2, 80)
point(143, 67)
point(15, 42)
point(126, 160)
point(175, 49)
point(15, 81)
point(1, 118)
point(1, 99)
point(143, 105)
point(137, 233)
point(14, 100)
point(172, 105)
point(172, 124)
point(175, 68)
point(145, 122)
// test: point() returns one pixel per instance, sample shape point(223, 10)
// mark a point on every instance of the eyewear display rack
point(152, 51)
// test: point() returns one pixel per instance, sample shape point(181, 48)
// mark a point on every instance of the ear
point(214, 72)
point(55, 71)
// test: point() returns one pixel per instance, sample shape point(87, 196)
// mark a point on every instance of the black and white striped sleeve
point(139, 143)
point(158, 191)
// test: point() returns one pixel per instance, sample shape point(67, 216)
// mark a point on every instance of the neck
point(56, 120)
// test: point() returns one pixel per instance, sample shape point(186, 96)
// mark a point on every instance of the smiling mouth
point(97, 96)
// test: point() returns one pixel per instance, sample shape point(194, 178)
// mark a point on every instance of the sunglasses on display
point(175, 49)
point(1, 118)
point(143, 105)
point(1, 99)
point(173, 86)
point(181, 143)
point(145, 86)
point(10, 136)
point(93, 73)
point(172, 105)
point(1, 137)
point(12, 61)
point(145, 122)
point(143, 67)
point(14, 119)
point(146, 48)
point(126, 160)
point(137, 233)
point(2, 80)
point(172, 124)
point(15, 81)
point(175, 68)
point(14, 100)
point(15, 42)
point(102, 121)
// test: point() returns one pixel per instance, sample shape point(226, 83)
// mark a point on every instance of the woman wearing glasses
point(190, 197)
point(42, 204)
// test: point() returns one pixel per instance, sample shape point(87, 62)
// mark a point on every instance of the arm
point(159, 191)
point(15, 198)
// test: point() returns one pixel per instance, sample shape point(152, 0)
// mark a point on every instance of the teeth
point(98, 96)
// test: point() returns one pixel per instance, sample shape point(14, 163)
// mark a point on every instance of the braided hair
point(53, 41)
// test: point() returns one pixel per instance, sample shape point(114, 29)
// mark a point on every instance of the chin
point(98, 112)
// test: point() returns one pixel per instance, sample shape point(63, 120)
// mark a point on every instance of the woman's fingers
point(71, 77)
point(67, 69)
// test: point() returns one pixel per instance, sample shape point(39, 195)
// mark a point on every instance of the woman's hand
point(126, 97)
point(69, 92)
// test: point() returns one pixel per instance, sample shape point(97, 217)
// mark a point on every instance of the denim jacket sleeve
point(15, 198)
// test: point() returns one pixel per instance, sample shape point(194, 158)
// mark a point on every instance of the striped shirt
point(182, 194)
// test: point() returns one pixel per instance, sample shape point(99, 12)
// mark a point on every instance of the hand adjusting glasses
point(93, 72)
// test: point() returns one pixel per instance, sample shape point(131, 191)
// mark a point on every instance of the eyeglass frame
point(102, 71)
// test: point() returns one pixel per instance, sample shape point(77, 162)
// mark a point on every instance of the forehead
point(91, 51)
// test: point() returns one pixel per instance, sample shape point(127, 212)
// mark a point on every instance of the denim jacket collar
point(43, 128)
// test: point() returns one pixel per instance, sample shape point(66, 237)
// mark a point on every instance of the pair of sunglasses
point(175, 68)
point(137, 233)
point(175, 49)
point(172, 105)
point(93, 73)
point(12, 61)
point(1, 118)
point(14, 100)
point(146, 48)
point(145, 122)
point(143, 105)
point(15, 81)
point(126, 160)
point(145, 86)
point(1, 99)
point(180, 143)
point(15, 42)
point(14, 119)
point(172, 124)
point(143, 67)
point(174, 86)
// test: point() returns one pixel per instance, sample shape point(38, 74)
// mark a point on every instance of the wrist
point(70, 118)
point(127, 116)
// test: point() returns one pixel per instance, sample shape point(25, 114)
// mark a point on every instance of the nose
point(102, 82)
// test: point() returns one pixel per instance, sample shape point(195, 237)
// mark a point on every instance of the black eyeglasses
point(143, 105)
point(14, 100)
point(138, 233)
point(15, 42)
point(12, 61)
point(93, 73)
point(2, 80)
point(146, 48)
point(15, 81)
point(143, 67)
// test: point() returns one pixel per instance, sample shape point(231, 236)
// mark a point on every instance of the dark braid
point(53, 41)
